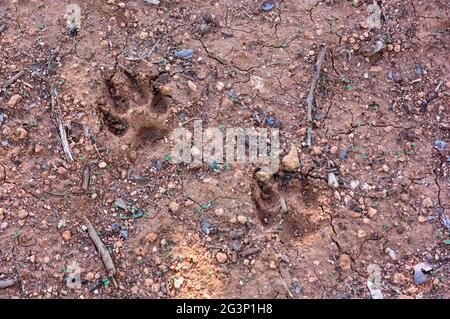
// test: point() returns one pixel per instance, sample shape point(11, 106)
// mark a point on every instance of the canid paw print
point(134, 107)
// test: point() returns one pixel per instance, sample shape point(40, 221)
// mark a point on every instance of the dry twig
point(56, 112)
point(7, 283)
point(103, 251)
point(8, 83)
point(145, 56)
point(59, 123)
point(86, 178)
point(310, 97)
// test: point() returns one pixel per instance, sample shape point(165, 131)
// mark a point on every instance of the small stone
point(397, 48)
point(3, 225)
point(121, 203)
point(178, 282)
point(264, 174)
point(221, 257)
point(371, 212)
point(420, 271)
point(391, 253)
point(62, 171)
point(354, 184)
point(61, 223)
point(361, 233)
point(291, 161)
point(22, 214)
point(102, 164)
point(165, 90)
point(192, 86)
point(227, 103)
point(14, 100)
point(345, 262)
point(21, 133)
point(174, 207)
point(242, 219)
point(447, 84)
point(155, 288)
point(38, 149)
point(333, 149)
point(66, 235)
point(184, 54)
point(219, 86)
point(376, 69)
point(121, 5)
point(151, 237)
point(273, 264)
point(309, 35)
point(332, 180)
point(90, 276)
point(143, 35)
point(422, 219)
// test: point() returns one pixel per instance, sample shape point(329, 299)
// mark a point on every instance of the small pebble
point(221, 257)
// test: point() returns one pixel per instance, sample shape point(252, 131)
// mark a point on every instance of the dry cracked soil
point(363, 213)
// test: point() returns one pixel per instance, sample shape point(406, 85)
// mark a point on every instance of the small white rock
point(332, 180)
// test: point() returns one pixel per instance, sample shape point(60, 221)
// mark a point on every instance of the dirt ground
point(381, 124)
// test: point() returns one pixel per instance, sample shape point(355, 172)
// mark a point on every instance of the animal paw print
point(134, 107)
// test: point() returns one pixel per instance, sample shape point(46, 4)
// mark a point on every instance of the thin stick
point(285, 285)
point(145, 56)
point(86, 178)
point(56, 110)
point(25, 83)
point(62, 132)
point(125, 69)
point(104, 253)
point(310, 97)
point(192, 119)
point(7, 283)
point(8, 83)
point(98, 153)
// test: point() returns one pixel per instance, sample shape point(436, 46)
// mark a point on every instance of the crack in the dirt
point(209, 54)
point(311, 10)
point(439, 189)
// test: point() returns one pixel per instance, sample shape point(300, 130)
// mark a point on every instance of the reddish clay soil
point(377, 118)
